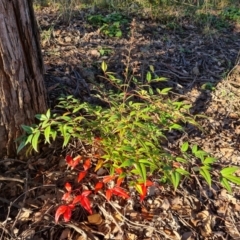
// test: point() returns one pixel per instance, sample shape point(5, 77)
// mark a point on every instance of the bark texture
point(22, 91)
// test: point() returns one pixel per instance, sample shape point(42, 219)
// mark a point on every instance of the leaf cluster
point(133, 130)
point(109, 25)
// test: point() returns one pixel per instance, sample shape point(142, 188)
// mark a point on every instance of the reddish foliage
point(116, 191)
point(119, 181)
point(84, 201)
point(66, 211)
point(108, 178)
point(144, 189)
point(98, 186)
point(119, 170)
point(66, 196)
point(73, 162)
point(108, 194)
point(87, 164)
point(81, 175)
point(68, 186)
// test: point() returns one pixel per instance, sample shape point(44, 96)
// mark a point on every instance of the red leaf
point(149, 183)
point(98, 186)
point(81, 175)
point(86, 193)
point(66, 196)
point(73, 162)
point(108, 194)
point(87, 164)
point(84, 201)
point(68, 187)
point(61, 210)
point(119, 181)
point(144, 192)
point(66, 211)
point(68, 159)
point(120, 192)
point(118, 170)
point(98, 139)
point(77, 199)
point(67, 215)
point(86, 204)
point(108, 178)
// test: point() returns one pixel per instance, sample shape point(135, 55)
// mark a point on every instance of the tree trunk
point(22, 91)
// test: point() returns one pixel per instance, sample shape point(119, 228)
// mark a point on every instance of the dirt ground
point(203, 68)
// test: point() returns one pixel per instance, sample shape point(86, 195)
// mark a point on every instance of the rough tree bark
point(22, 91)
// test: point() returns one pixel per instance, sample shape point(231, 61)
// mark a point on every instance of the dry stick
point(24, 200)
point(137, 224)
point(15, 205)
point(11, 179)
point(111, 217)
point(5, 230)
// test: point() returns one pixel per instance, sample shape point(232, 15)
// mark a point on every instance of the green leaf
point(29, 139)
point(233, 179)
point(194, 149)
point(41, 117)
point(104, 66)
point(147, 162)
point(179, 159)
point(184, 147)
point(209, 160)
point(54, 134)
point(47, 132)
point(149, 77)
point(144, 173)
point(45, 123)
point(35, 141)
point(160, 79)
point(226, 184)
point(141, 170)
point(66, 139)
point(127, 163)
point(21, 146)
point(165, 91)
point(27, 129)
point(175, 179)
point(200, 154)
point(118, 33)
point(48, 114)
point(228, 171)
point(151, 67)
point(176, 126)
point(182, 171)
point(205, 173)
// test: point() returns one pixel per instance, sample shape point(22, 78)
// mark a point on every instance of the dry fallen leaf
point(95, 219)
point(65, 234)
point(203, 220)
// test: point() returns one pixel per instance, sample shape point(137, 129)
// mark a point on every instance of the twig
point(11, 179)
point(24, 200)
point(6, 231)
point(14, 205)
